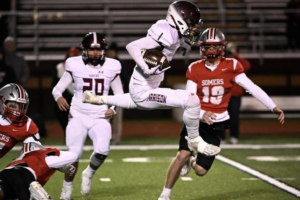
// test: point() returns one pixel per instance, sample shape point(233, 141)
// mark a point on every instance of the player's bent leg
point(37, 192)
point(191, 116)
point(187, 166)
point(96, 161)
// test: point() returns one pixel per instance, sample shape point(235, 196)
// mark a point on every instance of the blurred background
point(266, 33)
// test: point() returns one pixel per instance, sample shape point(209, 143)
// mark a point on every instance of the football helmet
point(212, 44)
point(91, 41)
point(17, 98)
point(184, 16)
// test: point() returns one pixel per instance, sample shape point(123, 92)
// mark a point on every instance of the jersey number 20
point(95, 85)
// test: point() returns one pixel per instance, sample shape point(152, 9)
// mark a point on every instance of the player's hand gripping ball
point(154, 57)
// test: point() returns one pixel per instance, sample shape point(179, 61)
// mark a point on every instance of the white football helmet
point(212, 44)
point(183, 15)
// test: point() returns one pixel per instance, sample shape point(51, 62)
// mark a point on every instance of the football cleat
point(37, 192)
point(66, 192)
point(86, 182)
point(88, 97)
point(164, 196)
point(199, 145)
point(187, 166)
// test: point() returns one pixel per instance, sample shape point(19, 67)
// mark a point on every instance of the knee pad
point(97, 159)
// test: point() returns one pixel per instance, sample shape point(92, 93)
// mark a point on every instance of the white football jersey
point(96, 79)
point(166, 36)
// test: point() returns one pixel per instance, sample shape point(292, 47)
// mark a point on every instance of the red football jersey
point(11, 135)
point(214, 87)
point(36, 161)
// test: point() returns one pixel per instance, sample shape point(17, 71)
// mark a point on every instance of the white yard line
point(260, 175)
point(173, 146)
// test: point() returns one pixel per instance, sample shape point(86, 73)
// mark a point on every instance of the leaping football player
point(178, 30)
point(211, 79)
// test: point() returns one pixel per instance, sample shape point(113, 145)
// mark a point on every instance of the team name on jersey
point(94, 75)
point(4, 137)
point(157, 98)
point(212, 82)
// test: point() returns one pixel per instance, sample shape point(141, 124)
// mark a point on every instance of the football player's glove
point(88, 97)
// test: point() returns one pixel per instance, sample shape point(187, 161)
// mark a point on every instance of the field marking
point(259, 175)
point(175, 146)
point(274, 158)
point(105, 179)
point(186, 178)
point(256, 179)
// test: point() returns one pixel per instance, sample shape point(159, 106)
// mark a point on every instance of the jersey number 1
point(97, 88)
point(216, 94)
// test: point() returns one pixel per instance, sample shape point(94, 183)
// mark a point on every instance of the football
point(154, 57)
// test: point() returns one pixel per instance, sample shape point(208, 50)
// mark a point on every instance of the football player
point(24, 177)
point(177, 31)
point(15, 126)
point(93, 72)
point(212, 79)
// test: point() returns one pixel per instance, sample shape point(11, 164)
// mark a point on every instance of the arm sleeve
point(61, 86)
point(116, 86)
point(135, 48)
point(191, 87)
point(254, 90)
point(65, 158)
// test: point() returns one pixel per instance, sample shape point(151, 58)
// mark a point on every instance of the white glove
point(88, 97)
point(68, 169)
point(155, 70)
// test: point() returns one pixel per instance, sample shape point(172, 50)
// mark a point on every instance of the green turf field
point(125, 177)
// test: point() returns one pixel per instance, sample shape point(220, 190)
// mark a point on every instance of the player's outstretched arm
point(280, 114)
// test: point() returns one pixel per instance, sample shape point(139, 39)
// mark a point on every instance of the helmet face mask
point(93, 41)
point(185, 16)
point(14, 104)
point(212, 44)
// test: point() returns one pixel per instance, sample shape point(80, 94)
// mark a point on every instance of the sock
point(167, 191)
point(90, 170)
point(68, 183)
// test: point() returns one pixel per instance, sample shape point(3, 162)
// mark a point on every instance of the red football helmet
point(14, 102)
point(183, 15)
point(212, 44)
point(91, 41)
